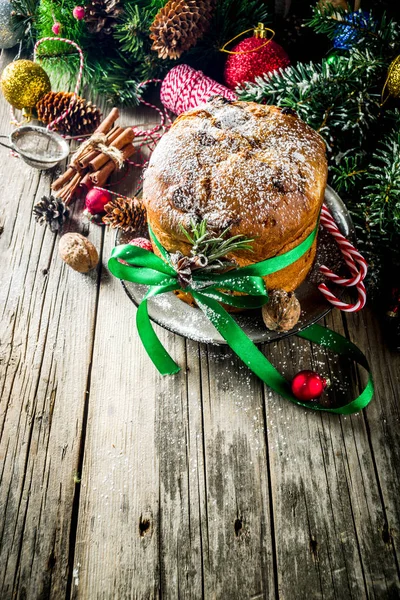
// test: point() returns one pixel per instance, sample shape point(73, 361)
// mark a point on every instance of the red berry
point(96, 200)
point(142, 243)
point(56, 28)
point(308, 385)
point(79, 13)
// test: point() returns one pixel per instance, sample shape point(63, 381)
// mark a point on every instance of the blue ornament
point(347, 35)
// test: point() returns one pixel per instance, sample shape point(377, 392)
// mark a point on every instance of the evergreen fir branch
point(382, 190)
point(348, 173)
point(23, 20)
point(331, 21)
point(375, 36)
point(133, 29)
point(214, 247)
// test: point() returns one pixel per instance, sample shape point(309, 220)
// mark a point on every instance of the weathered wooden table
point(117, 483)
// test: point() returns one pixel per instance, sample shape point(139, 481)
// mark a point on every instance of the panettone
point(259, 170)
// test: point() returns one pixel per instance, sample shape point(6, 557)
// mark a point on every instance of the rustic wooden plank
point(382, 419)
point(326, 501)
point(239, 559)
point(45, 350)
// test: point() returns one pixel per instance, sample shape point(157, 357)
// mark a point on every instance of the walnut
point(78, 252)
point(282, 311)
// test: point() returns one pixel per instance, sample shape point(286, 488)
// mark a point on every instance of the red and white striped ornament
point(355, 262)
point(184, 88)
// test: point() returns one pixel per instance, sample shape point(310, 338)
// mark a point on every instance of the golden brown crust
point(243, 165)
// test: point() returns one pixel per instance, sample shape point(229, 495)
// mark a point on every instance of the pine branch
point(23, 20)
point(378, 37)
point(214, 247)
point(348, 173)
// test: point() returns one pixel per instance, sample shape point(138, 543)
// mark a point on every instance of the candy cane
point(354, 260)
point(51, 125)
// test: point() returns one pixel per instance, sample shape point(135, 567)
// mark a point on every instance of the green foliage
point(214, 247)
point(374, 36)
point(381, 194)
point(23, 19)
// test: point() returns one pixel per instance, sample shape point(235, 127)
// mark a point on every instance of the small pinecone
point(101, 15)
point(83, 118)
point(127, 214)
point(178, 26)
point(52, 211)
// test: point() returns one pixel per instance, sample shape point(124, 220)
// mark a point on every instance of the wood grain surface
point(117, 483)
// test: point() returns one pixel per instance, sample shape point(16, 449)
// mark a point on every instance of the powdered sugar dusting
point(234, 163)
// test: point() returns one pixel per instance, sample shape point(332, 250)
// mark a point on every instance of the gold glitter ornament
point(23, 83)
point(393, 78)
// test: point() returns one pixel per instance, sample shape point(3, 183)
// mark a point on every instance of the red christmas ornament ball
point(142, 243)
point(79, 13)
point(308, 385)
point(96, 200)
point(56, 28)
point(240, 68)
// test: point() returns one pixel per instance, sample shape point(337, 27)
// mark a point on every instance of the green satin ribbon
point(209, 292)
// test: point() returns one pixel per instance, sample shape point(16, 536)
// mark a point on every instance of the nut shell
point(78, 252)
point(282, 311)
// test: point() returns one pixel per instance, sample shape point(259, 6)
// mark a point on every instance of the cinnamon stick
point(114, 133)
point(108, 122)
point(100, 177)
point(86, 184)
point(86, 158)
point(127, 151)
point(91, 154)
point(126, 137)
point(70, 188)
point(63, 179)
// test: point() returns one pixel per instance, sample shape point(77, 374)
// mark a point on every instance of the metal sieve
point(39, 147)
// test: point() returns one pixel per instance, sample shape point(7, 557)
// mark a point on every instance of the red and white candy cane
point(354, 260)
point(78, 81)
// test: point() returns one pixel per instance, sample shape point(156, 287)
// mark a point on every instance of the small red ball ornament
point(56, 28)
point(308, 385)
point(96, 200)
point(79, 13)
point(142, 243)
point(253, 57)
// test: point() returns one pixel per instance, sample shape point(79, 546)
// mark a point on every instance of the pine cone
point(128, 214)
point(52, 211)
point(83, 118)
point(101, 15)
point(178, 26)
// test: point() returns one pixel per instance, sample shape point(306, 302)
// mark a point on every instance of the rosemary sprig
point(214, 248)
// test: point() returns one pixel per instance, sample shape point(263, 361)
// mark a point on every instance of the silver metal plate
point(177, 316)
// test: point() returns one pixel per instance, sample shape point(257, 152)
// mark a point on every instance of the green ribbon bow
point(146, 268)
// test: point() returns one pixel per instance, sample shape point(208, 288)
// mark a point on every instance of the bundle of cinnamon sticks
point(91, 166)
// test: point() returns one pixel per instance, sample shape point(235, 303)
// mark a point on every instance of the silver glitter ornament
point(8, 37)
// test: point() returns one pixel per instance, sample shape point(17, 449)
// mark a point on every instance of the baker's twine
point(184, 88)
point(98, 142)
point(355, 262)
